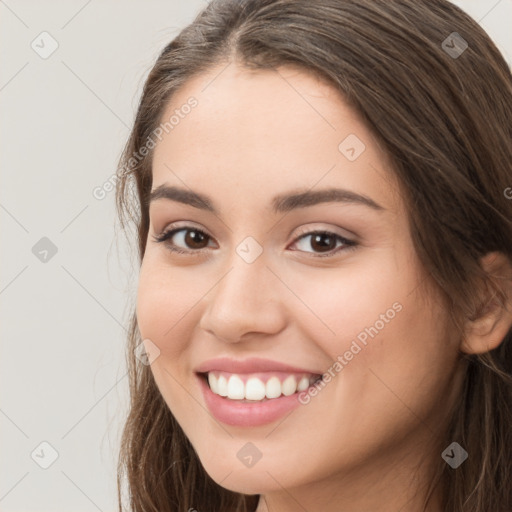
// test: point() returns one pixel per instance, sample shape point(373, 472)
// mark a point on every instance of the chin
point(246, 481)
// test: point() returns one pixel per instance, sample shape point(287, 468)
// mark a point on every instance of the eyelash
point(349, 245)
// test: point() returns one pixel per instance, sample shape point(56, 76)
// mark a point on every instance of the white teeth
point(273, 388)
point(289, 385)
point(303, 384)
point(234, 388)
point(254, 389)
point(222, 386)
point(212, 380)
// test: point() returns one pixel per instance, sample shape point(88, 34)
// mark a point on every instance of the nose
point(245, 302)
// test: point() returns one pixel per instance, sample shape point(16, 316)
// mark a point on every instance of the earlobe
point(486, 330)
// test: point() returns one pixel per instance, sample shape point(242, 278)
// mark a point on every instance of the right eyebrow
point(183, 195)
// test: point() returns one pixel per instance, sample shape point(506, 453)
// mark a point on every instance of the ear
point(487, 329)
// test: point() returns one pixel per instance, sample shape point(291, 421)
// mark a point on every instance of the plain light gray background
point(64, 120)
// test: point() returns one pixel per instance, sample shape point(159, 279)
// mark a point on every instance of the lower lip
point(246, 414)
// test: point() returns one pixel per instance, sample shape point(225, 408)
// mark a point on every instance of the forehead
point(266, 130)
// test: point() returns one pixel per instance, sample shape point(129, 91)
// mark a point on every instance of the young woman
point(323, 203)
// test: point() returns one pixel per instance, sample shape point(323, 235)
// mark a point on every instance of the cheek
point(165, 307)
point(165, 304)
point(404, 367)
point(339, 306)
point(374, 321)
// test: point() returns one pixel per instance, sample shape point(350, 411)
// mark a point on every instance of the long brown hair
point(444, 118)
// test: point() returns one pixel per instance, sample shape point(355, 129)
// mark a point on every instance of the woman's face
point(262, 149)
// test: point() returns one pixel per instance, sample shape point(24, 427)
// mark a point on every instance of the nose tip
point(243, 303)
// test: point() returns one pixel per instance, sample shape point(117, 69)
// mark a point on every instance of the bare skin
point(366, 442)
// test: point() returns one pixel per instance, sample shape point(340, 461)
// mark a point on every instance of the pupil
point(194, 238)
point(320, 239)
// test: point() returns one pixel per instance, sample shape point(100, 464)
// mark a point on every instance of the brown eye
point(323, 243)
point(195, 239)
point(184, 240)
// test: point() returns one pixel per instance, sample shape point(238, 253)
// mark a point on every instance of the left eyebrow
point(280, 204)
point(287, 202)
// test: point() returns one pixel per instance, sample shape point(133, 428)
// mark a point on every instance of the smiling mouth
point(257, 387)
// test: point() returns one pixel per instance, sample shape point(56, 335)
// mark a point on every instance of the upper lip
point(250, 365)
